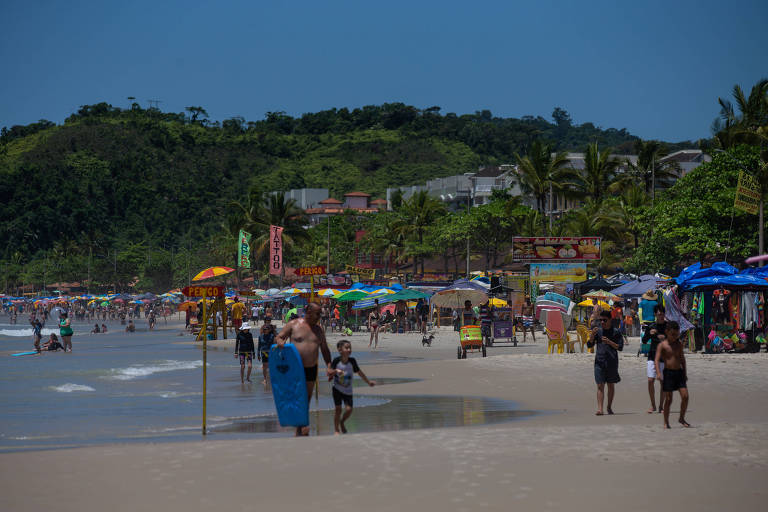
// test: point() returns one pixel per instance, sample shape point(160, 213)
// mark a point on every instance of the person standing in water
point(37, 329)
point(374, 319)
point(309, 339)
point(65, 330)
point(244, 349)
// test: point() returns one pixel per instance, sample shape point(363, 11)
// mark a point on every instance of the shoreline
point(548, 460)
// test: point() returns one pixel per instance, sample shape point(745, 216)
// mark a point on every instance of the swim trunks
point(246, 357)
point(339, 397)
point(237, 322)
point(265, 356)
point(606, 373)
point(310, 373)
point(674, 380)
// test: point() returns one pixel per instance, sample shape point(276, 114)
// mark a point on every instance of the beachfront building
point(359, 202)
point(687, 159)
point(307, 197)
point(470, 188)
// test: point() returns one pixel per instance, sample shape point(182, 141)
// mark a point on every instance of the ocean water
point(147, 386)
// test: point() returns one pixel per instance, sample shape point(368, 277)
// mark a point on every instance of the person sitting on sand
point(345, 367)
point(131, 327)
point(674, 377)
point(96, 329)
point(52, 345)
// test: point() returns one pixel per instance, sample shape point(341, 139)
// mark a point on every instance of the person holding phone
point(607, 341)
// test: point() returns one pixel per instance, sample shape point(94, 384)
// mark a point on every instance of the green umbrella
point(352, 295)
point(105, 303)
point(290, 312)
point(407, 294)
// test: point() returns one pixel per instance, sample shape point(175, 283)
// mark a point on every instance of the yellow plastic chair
point(555, 339)
point(583, 332)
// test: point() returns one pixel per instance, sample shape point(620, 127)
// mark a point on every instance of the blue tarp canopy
point(721, 274)
point(637, 287)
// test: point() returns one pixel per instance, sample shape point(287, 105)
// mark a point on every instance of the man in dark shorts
point(266, 339)
point(486, 318)
point(400, 309)
point(674, 377)
point(608, 342)
point(244, 349)
point(308, 337)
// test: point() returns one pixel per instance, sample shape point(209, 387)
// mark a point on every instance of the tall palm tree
point(539, 172)
point(649, 169)
point(419, 212)
point(277, 211)
point(750, 124)
point(597, 176)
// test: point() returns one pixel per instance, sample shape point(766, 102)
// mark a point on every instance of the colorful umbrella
point(328, 292)
point(212, 272)
point(497, 302)
point(188, 305)
point(351, 295)
point(600, 294)
point(588, 303)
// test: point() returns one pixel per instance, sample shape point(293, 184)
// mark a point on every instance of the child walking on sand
point(674, 377)
point(345, 367)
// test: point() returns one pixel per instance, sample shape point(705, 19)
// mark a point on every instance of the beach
point(559, 455)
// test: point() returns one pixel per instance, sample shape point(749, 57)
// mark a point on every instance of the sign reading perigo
point(583, 248)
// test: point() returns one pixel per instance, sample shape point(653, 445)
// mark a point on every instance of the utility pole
point(550, 208)
point(328, 256)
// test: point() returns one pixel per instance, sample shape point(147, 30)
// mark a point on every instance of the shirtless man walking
point(674, 377)
point(308, 337)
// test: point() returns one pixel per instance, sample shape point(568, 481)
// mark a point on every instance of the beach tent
point(719, 274)
point(637, 287)
point(406, 294)
point(597, 283)
point(460, 291)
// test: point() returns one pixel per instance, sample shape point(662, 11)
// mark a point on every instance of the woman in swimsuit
point(373, 324)
point(65, 330)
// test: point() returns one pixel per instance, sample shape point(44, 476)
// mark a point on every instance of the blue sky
point(655, 68)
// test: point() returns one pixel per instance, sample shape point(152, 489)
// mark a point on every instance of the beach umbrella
point(352, 295)
point(588, 303)
point(212, 272)
point(601, 294)
point(370, 301)
point(192, 306)
point(105, 303)
point(382, 291)
point(292, 311)
point(459, 292)
point(328, 292)
point(292, 291)
point(147, 295)
point(272, 291)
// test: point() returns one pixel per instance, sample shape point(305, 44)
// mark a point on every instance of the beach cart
point(470, 340)
point(503, 328)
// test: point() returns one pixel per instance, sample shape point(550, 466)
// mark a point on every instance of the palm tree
point(649, 169)
point(750, 125)
point(277, 211)
point(419, 212)
point(598, 175)
point(539, 172)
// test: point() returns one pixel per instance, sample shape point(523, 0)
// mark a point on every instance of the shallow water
point(119, 387)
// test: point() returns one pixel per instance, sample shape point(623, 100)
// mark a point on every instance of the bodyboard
point(289, 386)
point(25, 353)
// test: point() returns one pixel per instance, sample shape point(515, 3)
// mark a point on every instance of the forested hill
point(121, 175)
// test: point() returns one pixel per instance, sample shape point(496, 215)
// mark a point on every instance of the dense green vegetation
point(144, 198)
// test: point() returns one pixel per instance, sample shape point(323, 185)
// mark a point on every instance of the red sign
point(275, 250)
point(556, 248)
point(203, 291)
point(311, 271)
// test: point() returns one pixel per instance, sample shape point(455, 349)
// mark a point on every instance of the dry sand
point(565, 458)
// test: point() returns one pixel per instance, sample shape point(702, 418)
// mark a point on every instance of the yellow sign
point(368, 273)
point(747, 194)
point(558, 272)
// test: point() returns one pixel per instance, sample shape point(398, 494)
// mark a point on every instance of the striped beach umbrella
point(212, 272)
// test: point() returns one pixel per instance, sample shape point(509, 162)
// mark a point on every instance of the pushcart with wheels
point(503, 330)
point(470, 340)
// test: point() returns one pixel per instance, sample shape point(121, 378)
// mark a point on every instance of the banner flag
point(747, 194)
point(275, 250)
point(244, 250)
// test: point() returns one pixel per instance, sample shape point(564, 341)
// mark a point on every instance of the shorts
point(310, 373)
point(246, 357)
point(401, 313)
point(339, 397)
point(237, 322)
point(265, 356)
point(673, 380)
point(423, 318)
point(650, 369)
point(605, 373)
point(485, 330)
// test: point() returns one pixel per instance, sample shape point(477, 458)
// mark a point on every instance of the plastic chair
point(556, 334)
point(583, 332)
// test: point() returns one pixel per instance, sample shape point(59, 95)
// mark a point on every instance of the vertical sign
point(747, 194)
point(244, 250)
point(275, 250)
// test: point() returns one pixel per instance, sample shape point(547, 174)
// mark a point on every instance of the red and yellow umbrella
point(212, 272)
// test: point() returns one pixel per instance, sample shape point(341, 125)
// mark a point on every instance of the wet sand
point(564, 458)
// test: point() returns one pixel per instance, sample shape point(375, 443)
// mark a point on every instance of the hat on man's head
point(245, 327)
point(649, 295)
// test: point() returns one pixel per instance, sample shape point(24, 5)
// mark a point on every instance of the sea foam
point(69, 388)
point(143, 370)
point(21, 333)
